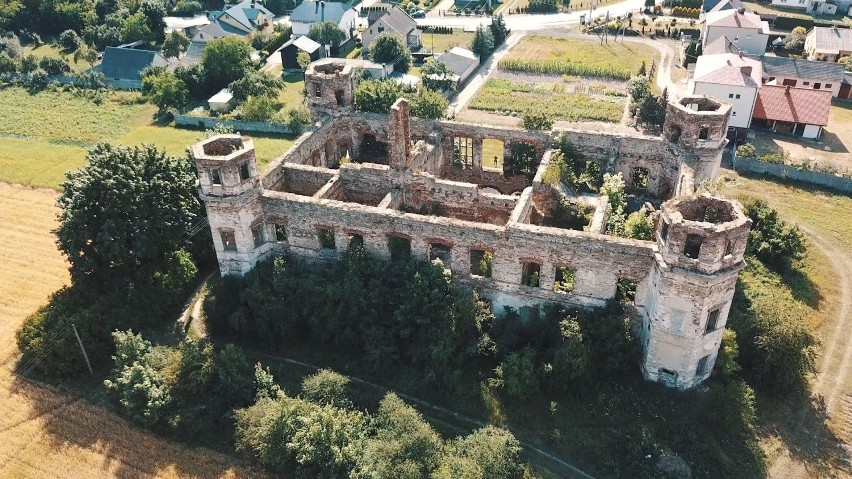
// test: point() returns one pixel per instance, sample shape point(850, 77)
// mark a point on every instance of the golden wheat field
point(47, 433)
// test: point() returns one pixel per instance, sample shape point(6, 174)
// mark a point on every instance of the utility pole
point(85, 356)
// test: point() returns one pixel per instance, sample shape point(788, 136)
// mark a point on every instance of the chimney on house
point(741, 10)
point(741, 54)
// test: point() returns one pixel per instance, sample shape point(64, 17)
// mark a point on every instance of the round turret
point(703, 233)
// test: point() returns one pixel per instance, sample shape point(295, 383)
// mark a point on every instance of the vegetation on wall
point(377, 96)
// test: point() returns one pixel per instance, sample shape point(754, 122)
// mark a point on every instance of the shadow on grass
point(801, 422)
point(802, 287)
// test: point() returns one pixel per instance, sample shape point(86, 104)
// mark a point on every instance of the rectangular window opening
point(462, 152)
point(692, 246)
point(480, 262)
point(244, 171)
point(317, 89)
point(564, 280)
point(664, 232)
point(531, 274)
point(356, 241)
point(492, 154)
point(703, 132)
point(729, 247)
point(442, 253)
point(639, 178)
point(216, 176)
point(399, 247)
point(326, 238)
point(229, 242)
point(703, 366)
point(280, 233)
point(713, 321)
point(257, 235)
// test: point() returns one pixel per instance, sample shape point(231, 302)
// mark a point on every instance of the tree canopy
point(255, 83)
point(327, 33)
point(175, 44)
point(224, 60)
point(388, 48)
point(164, 89)
point(125, 211)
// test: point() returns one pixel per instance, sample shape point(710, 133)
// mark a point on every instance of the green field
point(46, 134)
point(623, 59)
point(52, 51)
point(508, 97)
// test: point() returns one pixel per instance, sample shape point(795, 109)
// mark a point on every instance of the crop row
point(563, 67)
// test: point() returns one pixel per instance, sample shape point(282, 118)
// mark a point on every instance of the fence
point(207, 123)
point(752, 165)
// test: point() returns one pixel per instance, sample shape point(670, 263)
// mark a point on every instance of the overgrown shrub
point(771, 240)
point(327, 387)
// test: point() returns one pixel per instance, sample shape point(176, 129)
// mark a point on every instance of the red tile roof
point(795, 105)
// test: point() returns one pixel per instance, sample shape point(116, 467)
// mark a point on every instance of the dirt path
point(834, 367)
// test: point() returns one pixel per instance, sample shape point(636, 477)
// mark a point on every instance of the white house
point(810, 6)
point(731, 78)
point(395, 20)
point(743, 28)
point(311, 11)
point(794, 111)
point(828, 43)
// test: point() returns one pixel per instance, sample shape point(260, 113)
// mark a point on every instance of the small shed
point(462, 62)
point(290, 51)
point(222, 101)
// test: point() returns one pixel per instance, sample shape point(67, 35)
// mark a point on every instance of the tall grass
point(517, 98)
point(563, 67)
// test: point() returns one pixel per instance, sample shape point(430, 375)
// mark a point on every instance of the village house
point(794, 111)
point(801, 73)
point(395, 20)
point(828, 43)
point(311, 11)
point(744, 28)
point(733, 78)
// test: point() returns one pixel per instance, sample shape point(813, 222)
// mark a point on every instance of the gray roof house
point(243, 17)
point(122, 67)
point(828, 43)
point(800, 73)
point(461, 61)
point(395, 20)
point(311, 11)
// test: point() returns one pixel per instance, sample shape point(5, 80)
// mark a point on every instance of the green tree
point(234, 376)
point(389, 48)
point(303, 59)
point(8, 64)
point(327, 387)
point(175, 44)
point(496, 451)
point(8, 12)
point(482, 43)
point(639, 225)
point(327, 33)
point(196, 369)
point(571, 358)
point(746, 151)
point(154, 12)
point(138, 387)
point(437, 76)
point(225, 60)
point(135, 27)
point(376, 96)
point(518, 374)
point(771, 240)
point(405, 446)
point(498, 30)
point(165, 90)
point(187, 8)
point(86, 54)
point(260, 108)
point(427, 103)
point(125, 211)
point(726, 362)
point(795, 40)
point(848, 64)
point(278, 7)
point(264, 383)
point(256, 83)
point(69, 41)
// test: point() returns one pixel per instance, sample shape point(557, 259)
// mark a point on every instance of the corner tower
point(695, 129)
point(329, 85)
point(701, 241)
point(229, 186)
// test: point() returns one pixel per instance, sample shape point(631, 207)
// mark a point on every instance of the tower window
point(317, 89)
point(713, 321)
point(215, 176)
point(280, 233)
point(703, 132)
point(257, 235)
point(244, 171)
point(692, 246)
point(229, 242)
point(664, 232)
point(729, 247)
point(531, 274)
point(703, 366)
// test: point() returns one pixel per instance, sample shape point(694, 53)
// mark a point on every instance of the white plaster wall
point(749, 40)
point(811, 131)
point(741, 109)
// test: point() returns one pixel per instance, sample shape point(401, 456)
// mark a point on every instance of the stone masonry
point(426, 185)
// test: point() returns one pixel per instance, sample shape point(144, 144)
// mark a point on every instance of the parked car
point(418, 14)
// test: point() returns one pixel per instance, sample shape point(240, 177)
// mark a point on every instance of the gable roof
point(723, 5)
point(127, 64)
point(303, 43)
point(399, 21)
point(311, 11)
point(215, 30)
point(728, 69)
point(459, 60)
point(831, 39)
point(734, 19)
point(720, 45)
point(795, 105)
point(246, 12)
point(794, 67)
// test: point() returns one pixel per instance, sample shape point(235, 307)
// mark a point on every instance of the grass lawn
point(623, 57)
point(53, 51)
point(504, 96)
point(293, 93)
point(38, 147)
point(441, 42)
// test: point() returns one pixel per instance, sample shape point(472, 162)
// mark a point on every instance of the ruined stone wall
point(300, 179)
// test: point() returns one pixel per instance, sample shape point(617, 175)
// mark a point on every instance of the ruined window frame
point(433, 245)
point(228, 245)
point(531, 274)
point(258, 234)
point(483, 264)
point(564, 284)
point(355, 240)
point(640, 176)
point(730, 246)
point(704, 132)
point(664, 232)
point(216, 176)
point(399, 247)
point(325, 237)
point(689, 245)
point(713, 317)
point(317, 89)
point(463, 152)
point(703, 367)
point(245, 172)
point(280, 233)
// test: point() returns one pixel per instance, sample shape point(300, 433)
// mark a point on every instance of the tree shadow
point(802, 287)
point(68, 420)
point(801, 421)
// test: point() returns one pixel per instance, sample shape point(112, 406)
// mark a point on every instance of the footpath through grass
point(46, 134)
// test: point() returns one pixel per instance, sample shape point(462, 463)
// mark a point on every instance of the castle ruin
point(409, 187)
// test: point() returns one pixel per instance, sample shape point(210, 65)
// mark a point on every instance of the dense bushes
point(290, 434)
point(377, 96)
point(772, 241)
